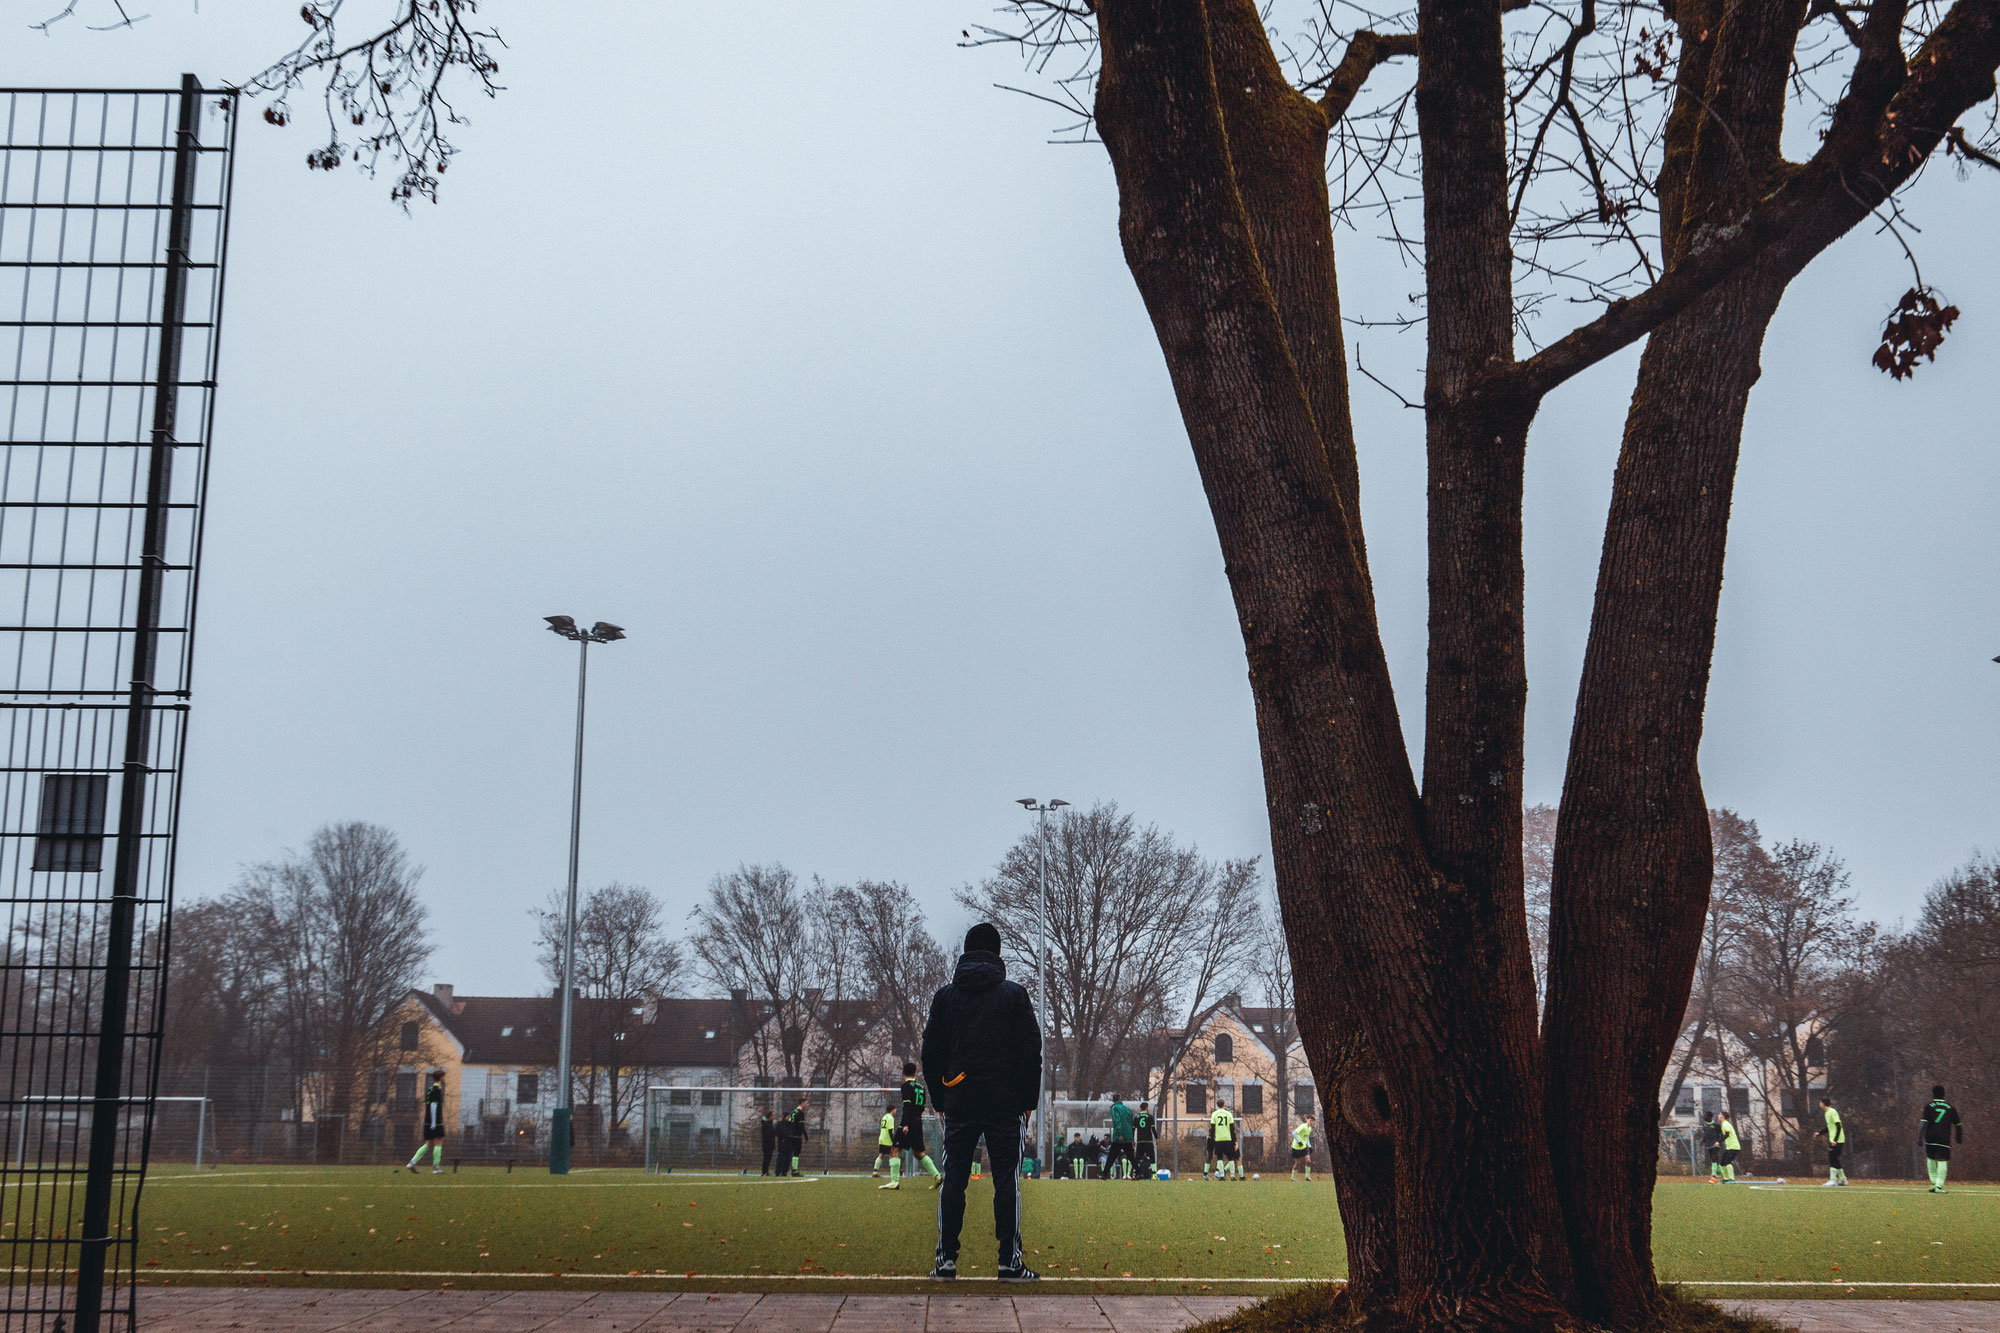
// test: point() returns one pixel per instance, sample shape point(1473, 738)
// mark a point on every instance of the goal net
point(693, 1128)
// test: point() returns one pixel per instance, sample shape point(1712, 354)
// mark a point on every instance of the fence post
point(106, 1101)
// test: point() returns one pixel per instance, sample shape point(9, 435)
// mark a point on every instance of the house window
point(711, 1096)
point(406, 1087)
point(1225, 1048)
point(1196, 1095)
point(70, 835)
point(1711, 1099)
point(680, 1097)
point(409, 1042)
point(1253, 1099)
point(1302, 1098)
point(1684, 1100)
point(1815, 1051)
point(528, 1088)
point(1739, 1103)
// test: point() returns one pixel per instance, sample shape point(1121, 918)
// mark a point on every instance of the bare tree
point(1271, 970)
point(624, 956)
point(1800, 950)
point(346, 934)
point(753, 934)
point(899, 957)
point(1538, 867)
point(1740, 862)
point(1141, 930)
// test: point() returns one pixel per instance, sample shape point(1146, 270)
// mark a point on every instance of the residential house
point(1250, 1059)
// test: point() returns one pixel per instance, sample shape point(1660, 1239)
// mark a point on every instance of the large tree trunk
point(1477, 1233)
point(1633, 858)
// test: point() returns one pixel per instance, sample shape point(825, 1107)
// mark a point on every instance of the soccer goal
point(1680, 1150)
point(58, 1124)
point(695, 1128)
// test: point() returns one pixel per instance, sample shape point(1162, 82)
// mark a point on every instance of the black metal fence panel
point(113, 222)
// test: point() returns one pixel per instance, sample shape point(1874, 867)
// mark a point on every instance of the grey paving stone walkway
point(297, 1310)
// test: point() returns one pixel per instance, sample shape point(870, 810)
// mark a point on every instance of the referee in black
point(982, 1058)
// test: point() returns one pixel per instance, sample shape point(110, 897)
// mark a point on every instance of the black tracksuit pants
point(1003, 1155)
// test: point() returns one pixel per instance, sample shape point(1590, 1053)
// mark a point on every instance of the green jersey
point(1730, 1142)
point(887, 1138)
point(1302, 1136)
point(1121, 1123)
point(1222, 1125)
point(1836, 1133)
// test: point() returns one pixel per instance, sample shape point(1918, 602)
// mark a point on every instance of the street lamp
point(1041, 813)
point(601, 632)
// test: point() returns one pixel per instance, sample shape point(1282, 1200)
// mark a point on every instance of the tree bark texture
point(1633, 859)
point(1404, 908)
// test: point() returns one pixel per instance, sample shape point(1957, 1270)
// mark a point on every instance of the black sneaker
point(1018, 1273)
point(946, 1271)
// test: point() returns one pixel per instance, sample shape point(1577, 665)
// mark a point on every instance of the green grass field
point(353, 1226)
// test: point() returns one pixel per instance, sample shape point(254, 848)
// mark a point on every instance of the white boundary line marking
point(490, 1185)
point(1821, 1283)
point(146, 1273)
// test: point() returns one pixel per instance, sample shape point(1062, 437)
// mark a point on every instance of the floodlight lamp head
point(606, 632)
point(1026, 801)
point(563, 625)
point(1057, 805)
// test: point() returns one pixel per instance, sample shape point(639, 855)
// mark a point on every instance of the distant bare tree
point(1538, 865)
point(754, 934)
point(347, 937)
point(624, 955)
point(899, 957)
point(1271, 970)
point(1801, 947)
point(1140, 930)
point(222, 995)
point(1740, 860)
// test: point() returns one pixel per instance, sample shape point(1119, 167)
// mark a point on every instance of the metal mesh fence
point(722, 1128)
point(113, 208)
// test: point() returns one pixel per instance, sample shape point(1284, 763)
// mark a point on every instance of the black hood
point(978, 971)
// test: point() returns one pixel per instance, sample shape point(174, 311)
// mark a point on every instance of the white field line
point(1875, 1189)
point(479, 1185)
point(1823, 1283)
point(150, 1273)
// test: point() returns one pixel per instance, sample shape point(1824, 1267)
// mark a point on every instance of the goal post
point(690, 1127)
point(67, 1116)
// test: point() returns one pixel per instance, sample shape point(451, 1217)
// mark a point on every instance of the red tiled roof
point(525, 1029)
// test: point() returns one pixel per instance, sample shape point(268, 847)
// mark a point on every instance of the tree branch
point(1884, 128)
point(1365, 50)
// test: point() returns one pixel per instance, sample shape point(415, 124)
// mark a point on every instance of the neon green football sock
point(895, 1169)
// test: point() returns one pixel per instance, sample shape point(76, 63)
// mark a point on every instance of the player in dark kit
point(795, 1134)
point(1940, 1118)
point(767, 1135)
point(913, 1123)
point(433, 1126)
point(1146, 1147)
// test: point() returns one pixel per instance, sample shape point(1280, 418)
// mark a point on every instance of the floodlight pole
point(1041, 813)
point(560, 1129)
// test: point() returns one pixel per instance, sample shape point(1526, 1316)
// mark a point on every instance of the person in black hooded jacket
point(982, 1058)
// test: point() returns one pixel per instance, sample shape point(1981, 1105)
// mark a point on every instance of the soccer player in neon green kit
point(1222, 1128)
point(885, 1151)
point(1835, 1134)
point(1302, 1146)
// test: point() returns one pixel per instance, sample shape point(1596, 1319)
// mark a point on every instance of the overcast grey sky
point(779, 336)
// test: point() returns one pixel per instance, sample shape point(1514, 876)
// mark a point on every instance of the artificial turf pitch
point(356, 1226)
